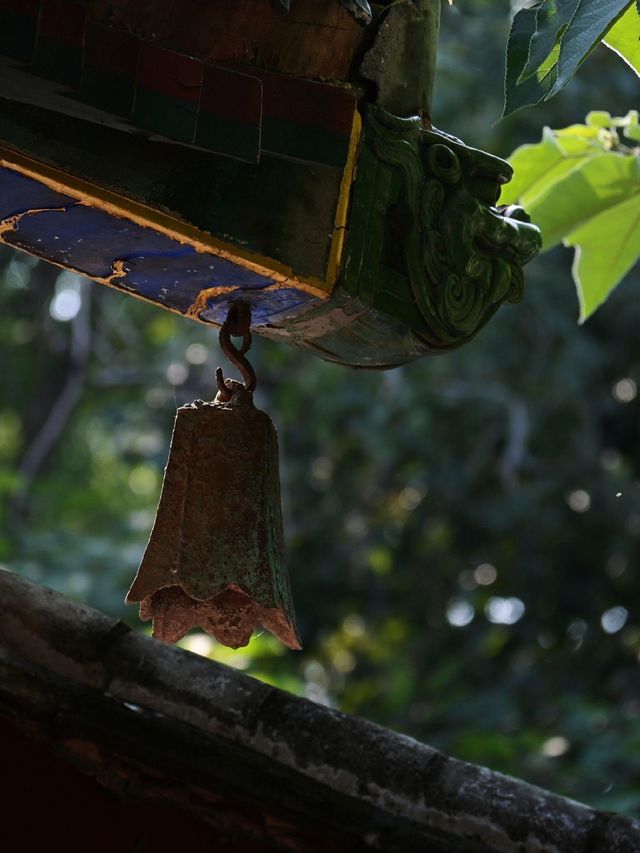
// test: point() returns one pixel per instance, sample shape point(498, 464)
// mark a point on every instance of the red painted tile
point(63, 22)
point(170, 74)
point(27, 8)
point(304, 102)
point(231, 95)
point(111, 50)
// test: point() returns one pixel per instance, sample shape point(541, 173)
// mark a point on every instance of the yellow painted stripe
point(342, 210)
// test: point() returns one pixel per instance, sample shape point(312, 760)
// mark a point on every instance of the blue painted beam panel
point(136, 258)
point(19, 194)
point(177, 280)
point(89, 240)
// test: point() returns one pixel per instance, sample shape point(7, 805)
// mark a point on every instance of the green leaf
point(606, 248)
point(538, 167)
point(598, 118)
point(551, 39)
point(630, 120)
point(552, 19)
point(624, 38)
point(599, 183)
point(581, 187)
point(533, 90)
point(589, 24)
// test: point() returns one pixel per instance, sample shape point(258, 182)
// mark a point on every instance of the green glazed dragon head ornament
point(462, 252)
point(472, 249)
point(431, 254)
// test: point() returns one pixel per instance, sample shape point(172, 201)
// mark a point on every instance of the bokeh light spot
point(344, 660)
point(459, 612)
point(177, 373)
point(556, 746)
point(196, 354)
point(322, 469)
point(410, 497)
point(577, 629)
point(616, 565)
point(624, 390)
point(579, 500)
point(198, 643)
point(143, 480)
point(611, 459)
point(504, 611)
point(485, 574)
point(613, 620)
point(354, 625)
point(65, 305)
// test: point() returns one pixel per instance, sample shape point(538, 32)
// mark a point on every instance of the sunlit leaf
point(632, 119)
point(536, 167)
point(552, 20)
point(607, 246)
point(582, 187)
point(624, 38)
point(598, 118)
point(588, 26)
point(549, 41)
point(600, 183)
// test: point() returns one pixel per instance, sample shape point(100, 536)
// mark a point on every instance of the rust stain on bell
point(216, 558)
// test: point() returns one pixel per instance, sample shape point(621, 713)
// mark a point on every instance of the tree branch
point(59, 414)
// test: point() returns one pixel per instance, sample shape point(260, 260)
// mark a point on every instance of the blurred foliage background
point(462, 532)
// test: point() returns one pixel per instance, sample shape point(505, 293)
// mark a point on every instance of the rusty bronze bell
point(215, 558)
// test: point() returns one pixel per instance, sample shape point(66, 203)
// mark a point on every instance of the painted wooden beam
point(355, 229)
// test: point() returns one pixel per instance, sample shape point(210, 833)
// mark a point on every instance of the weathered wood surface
point(156, 721)
point(402, 60)
point(315, 39)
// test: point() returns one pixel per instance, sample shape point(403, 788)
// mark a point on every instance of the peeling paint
point(119, 271)
point(200, 302)
point(8, 225)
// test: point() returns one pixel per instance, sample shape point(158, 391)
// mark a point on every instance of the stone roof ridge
point(343, 781)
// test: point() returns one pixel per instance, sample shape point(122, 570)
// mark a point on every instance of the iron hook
point(238, 324)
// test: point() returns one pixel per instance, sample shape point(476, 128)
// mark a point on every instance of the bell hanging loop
point(237, 324)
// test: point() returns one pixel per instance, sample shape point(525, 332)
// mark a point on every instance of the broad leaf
point(581, 186)
point(536, 167)
point(624, 38)
point(549, 41)
point(600, 183)
point(588, 26)
point(552, 19)
point(606, 248)
point(533, 90)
